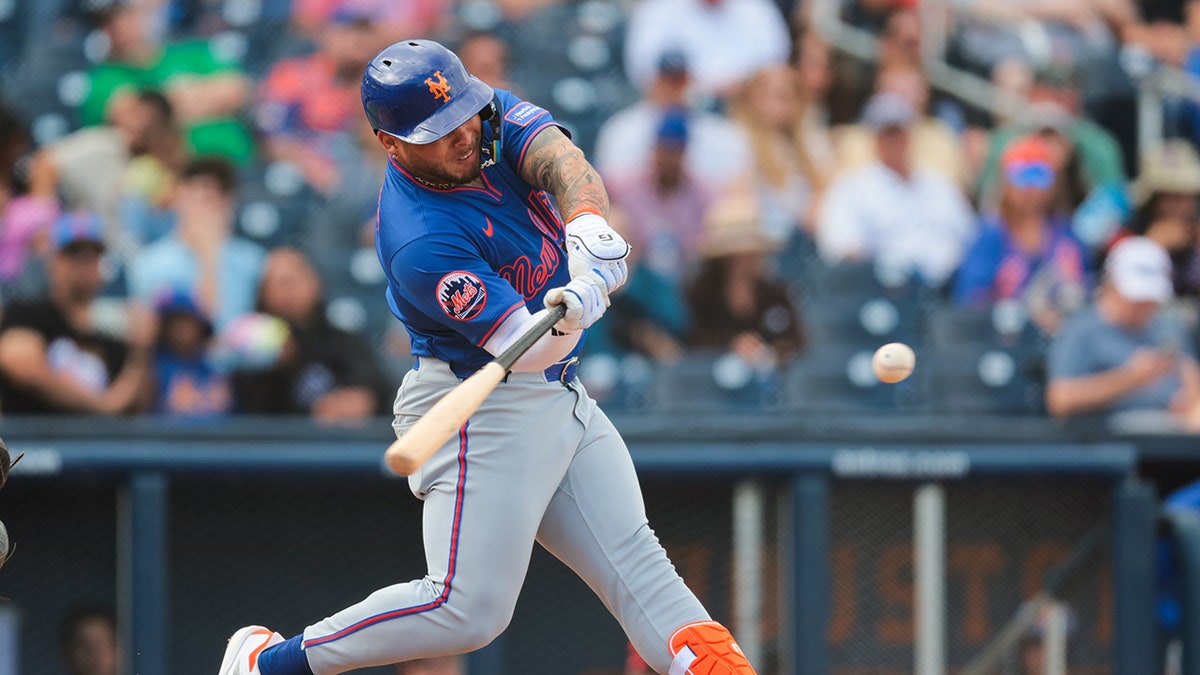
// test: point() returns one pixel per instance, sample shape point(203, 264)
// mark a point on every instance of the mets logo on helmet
point(438, 86)
point(461, 295)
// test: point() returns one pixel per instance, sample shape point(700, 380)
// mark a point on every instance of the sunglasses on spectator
point(1023, 175)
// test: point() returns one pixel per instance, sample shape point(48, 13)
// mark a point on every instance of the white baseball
point(893, 362)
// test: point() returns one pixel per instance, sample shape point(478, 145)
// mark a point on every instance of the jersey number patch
point(461, 295)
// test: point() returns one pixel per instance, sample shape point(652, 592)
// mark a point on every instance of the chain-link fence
point(1001, 540)
point(287, 550)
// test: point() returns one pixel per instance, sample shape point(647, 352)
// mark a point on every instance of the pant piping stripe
point(450, 567)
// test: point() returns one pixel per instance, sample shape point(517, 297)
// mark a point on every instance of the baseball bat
point(406, 454)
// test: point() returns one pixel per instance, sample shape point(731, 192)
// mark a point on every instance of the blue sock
point(285, 658)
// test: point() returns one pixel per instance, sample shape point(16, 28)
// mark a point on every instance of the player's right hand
point(586, 298)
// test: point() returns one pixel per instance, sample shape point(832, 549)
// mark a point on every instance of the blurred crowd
point(188, 188)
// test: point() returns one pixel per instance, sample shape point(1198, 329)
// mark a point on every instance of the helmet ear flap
point(490, 114)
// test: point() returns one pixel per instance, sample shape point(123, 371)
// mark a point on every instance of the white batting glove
point(586, 299)
point(593, 246)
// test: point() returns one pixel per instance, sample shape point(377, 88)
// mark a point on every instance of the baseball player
point(471, 233)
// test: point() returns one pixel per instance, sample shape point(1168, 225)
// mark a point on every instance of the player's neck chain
point(429, 183)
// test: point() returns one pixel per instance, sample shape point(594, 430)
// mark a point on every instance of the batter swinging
point(470, 231)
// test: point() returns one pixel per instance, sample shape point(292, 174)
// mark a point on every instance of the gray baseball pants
point(541, 462)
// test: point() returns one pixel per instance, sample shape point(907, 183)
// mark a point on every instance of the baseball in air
point(893, 362)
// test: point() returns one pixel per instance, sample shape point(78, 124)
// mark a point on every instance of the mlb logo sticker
point(461, 295)
point(524, 113)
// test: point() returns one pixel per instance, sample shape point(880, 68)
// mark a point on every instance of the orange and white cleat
point(706, 648)
point(241, 656)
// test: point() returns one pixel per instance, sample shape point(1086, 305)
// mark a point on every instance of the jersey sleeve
point(452, 285)
point(521, 122)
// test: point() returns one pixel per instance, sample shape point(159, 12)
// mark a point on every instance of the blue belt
point(563, 371)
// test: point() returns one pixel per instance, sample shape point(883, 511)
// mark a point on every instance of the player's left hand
point(593, 246)
point(585, 298)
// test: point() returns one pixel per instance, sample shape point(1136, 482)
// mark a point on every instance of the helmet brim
point(452, 115)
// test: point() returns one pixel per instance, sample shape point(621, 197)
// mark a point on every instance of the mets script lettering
point(461, 299)
point(529, 279)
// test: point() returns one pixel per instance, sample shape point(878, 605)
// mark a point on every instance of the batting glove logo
point(461, 295)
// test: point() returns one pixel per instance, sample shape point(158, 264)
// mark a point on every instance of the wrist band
point(585, 209)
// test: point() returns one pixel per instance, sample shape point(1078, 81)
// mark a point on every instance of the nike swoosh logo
point(488, 230)
point(254, 654)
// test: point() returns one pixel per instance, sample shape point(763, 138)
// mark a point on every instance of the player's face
point(454, 158)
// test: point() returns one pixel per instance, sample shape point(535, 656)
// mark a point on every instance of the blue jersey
point(460, 261)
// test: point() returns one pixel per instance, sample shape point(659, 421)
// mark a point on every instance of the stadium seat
point(987, 379)
point(799, 266)
point(839, 379)
point(1005, 324)
point(864, 322)
point(866, 278)
point(712, 382)
point(274, 205)
point(354, 291)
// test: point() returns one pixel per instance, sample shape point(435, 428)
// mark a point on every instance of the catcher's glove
point(6, 548)
point(5, 464)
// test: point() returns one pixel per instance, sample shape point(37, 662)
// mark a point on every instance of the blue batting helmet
point(419, 91)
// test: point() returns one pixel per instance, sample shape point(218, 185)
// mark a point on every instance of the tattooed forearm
point(556, 165)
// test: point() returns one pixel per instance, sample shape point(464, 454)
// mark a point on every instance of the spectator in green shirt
point(206, 91)
point(1094, 159)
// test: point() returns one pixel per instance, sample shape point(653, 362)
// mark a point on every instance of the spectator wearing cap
point(934, 146)
point(667, 203)
point(1092, 159)
point(724, 41)
point(54, 356)
point(206, 89)
point(201, 255)
point(717, 153)
point(735, 304)
point(187, 382)
point(1166, 195)
point(1025, 250)
point(331, 375)
point(307, 104)
point(904, 218)
point(1123, 353)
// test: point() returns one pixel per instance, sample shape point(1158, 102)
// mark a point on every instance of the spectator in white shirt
point(725, 41)
point(716, 153)
point(889, 212)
